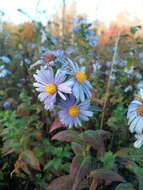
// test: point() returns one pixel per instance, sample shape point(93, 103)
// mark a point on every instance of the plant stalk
point(109, 79)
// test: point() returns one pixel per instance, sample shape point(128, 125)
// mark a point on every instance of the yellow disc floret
point(80, 76)
point(140, 110)
point(50, 89)
point(73, 111)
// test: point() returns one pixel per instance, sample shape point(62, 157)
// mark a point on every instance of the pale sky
point(104, 10)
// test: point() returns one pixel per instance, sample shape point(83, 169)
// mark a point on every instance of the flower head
point(53, 57)
point(135, 114)
point(81, 86)
point(6, 105)
point(93, 42)
point(50, 58)
point(3, 71)
point(50, 86)
point(5, 59)
point(72, 112)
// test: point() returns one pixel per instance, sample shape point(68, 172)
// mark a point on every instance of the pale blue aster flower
point(50, 58)
point(6, 105)
point(25, 61)
point(73, 112)
point(89, 35)
point(81, 86)
point(71, 50)
point(51, 86)
point(3, 71)
point(31, 45)
point(139, 76)
point(135, 114)
point(81, 60)
point(5, 59)
point(76, 29)
point(128, 88)
point(139, 85)
point(130, 70)
point(57, 55)
point(96, 66)
point(93, 42)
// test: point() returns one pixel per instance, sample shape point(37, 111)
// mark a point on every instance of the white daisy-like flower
point(81, 87)
point(139, 142)
point(50, 86)
point(72, 112)
point(135, 114)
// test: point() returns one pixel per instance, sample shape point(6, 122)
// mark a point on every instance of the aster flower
point(93, 42)
point(50, 86)
point(81, 86)
point(139, 142)
point(96, 66)
point(3, 71)
point(71, 50)
point(6, 105)
point(50, 58)
point(76, 29)
point(139, 85)
point(5, 59)
point(135, 114)
point(90, 34)
point(72, 112)
point(81, 60)
point(53, 57)
point(130, 70)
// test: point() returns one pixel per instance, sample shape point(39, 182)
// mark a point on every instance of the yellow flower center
point(50, 89)
point(140, 110)
point(80, 76)
point(73, 111)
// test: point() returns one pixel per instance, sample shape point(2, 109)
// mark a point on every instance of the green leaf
point(80, 167)
point(125, 186)
point(133, 154)
point(109, 160)
point(95, 139)
point(67, 135)
point(92, 137)
point(65, 183)
point(77, 148)
point(139, 173)
point(134, 29)
point(24, 97)
point(117, 119)
point(1, 175)
point(104, 175)
point(61, 183)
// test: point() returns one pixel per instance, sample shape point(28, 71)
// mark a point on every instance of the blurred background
point(122, 12)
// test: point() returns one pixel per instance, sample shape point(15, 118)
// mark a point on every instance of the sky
point(104, 10)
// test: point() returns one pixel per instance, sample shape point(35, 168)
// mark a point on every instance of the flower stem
point(109, 79)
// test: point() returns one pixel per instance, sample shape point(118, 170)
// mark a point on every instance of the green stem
point(109, 80)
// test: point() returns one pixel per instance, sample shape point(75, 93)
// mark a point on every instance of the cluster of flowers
point(135, 118)
point(3, 70)
point(82, 27)
point(64, 87)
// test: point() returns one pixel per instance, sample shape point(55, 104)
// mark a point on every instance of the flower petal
point(62, 95)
